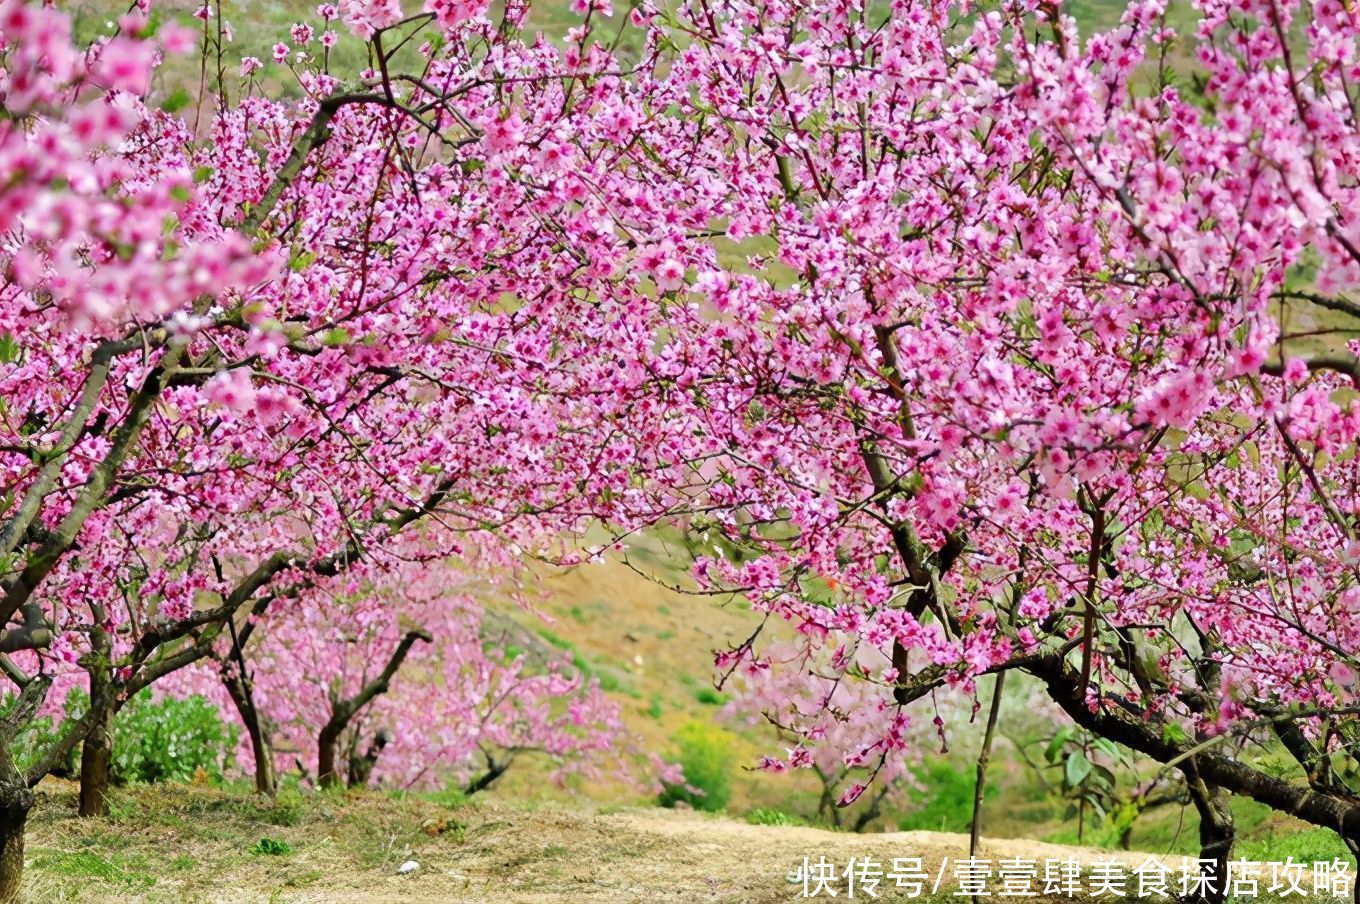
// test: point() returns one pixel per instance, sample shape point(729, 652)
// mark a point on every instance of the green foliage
point(170, 740)
point(654, 710)
point(271, 847)
point(1087, 783)
point(34, 742)
point(705, 754)
point(153, 741)
point(769, 816)
point(286, 811)
point(709, 697)
point(945, 801)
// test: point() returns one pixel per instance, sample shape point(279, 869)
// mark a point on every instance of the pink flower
point(451, 13)
point(670, 275)
point(850, 795)
point(125, 64)
point(232, 389)
point(1295, 371)
point(364, 17)
point(504, 132)
point(176, 39)
point(280, 52)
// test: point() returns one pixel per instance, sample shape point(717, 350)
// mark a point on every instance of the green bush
point(167, 740)
point(170, 740)
point(769, 816)
point(945, 801)
point(39, 736)
point(705, 755)
point(271, 847)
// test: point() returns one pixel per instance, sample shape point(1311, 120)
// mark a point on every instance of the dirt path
point(661, 856)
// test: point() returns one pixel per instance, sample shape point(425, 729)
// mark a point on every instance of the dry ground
point(197, 844)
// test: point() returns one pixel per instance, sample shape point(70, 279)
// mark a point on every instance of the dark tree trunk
point(361, 765)
point(344, 711)
point(1354, 845)
point(870, 813)
point(266, 779)
point(494, 770)
point(984, 757)
point(16, 800)
point(826, 806)
point(1333, 811)
point(1216, 833)
point(97, 753)
point(327, 742)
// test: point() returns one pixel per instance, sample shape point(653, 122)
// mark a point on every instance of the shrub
point(709, 697)
point(170, 740)
point(945, 801)
point(705, 755)
point(769, 816)
point(42, 734)
point(271, 847)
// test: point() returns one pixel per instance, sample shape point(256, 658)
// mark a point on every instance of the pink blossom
point(124, 64)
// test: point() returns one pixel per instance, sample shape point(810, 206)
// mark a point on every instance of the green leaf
point(1055, 745)
point(335, 336)
point(1076, 769)
point(9, 349)
point(298, 260)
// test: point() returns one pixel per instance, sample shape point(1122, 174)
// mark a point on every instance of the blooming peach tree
point(243, 359)
point(1020, 341)
point(1037, 359)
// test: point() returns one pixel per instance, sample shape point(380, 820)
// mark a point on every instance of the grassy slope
point(651, 647)
point(178, 843)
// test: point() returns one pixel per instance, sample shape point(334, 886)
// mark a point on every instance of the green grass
point(769, 816)
point(271, 847)
point(89, 865)
point(612, 679)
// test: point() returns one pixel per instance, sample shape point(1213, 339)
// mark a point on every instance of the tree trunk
point(1216, 833)
point(361, 765)
point(495, 770)
point(984, 757)
point(97, 753)
point(15, 803)
point(1354, 845)
point(266, 779)
point(327, 742)
point(343, 711)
